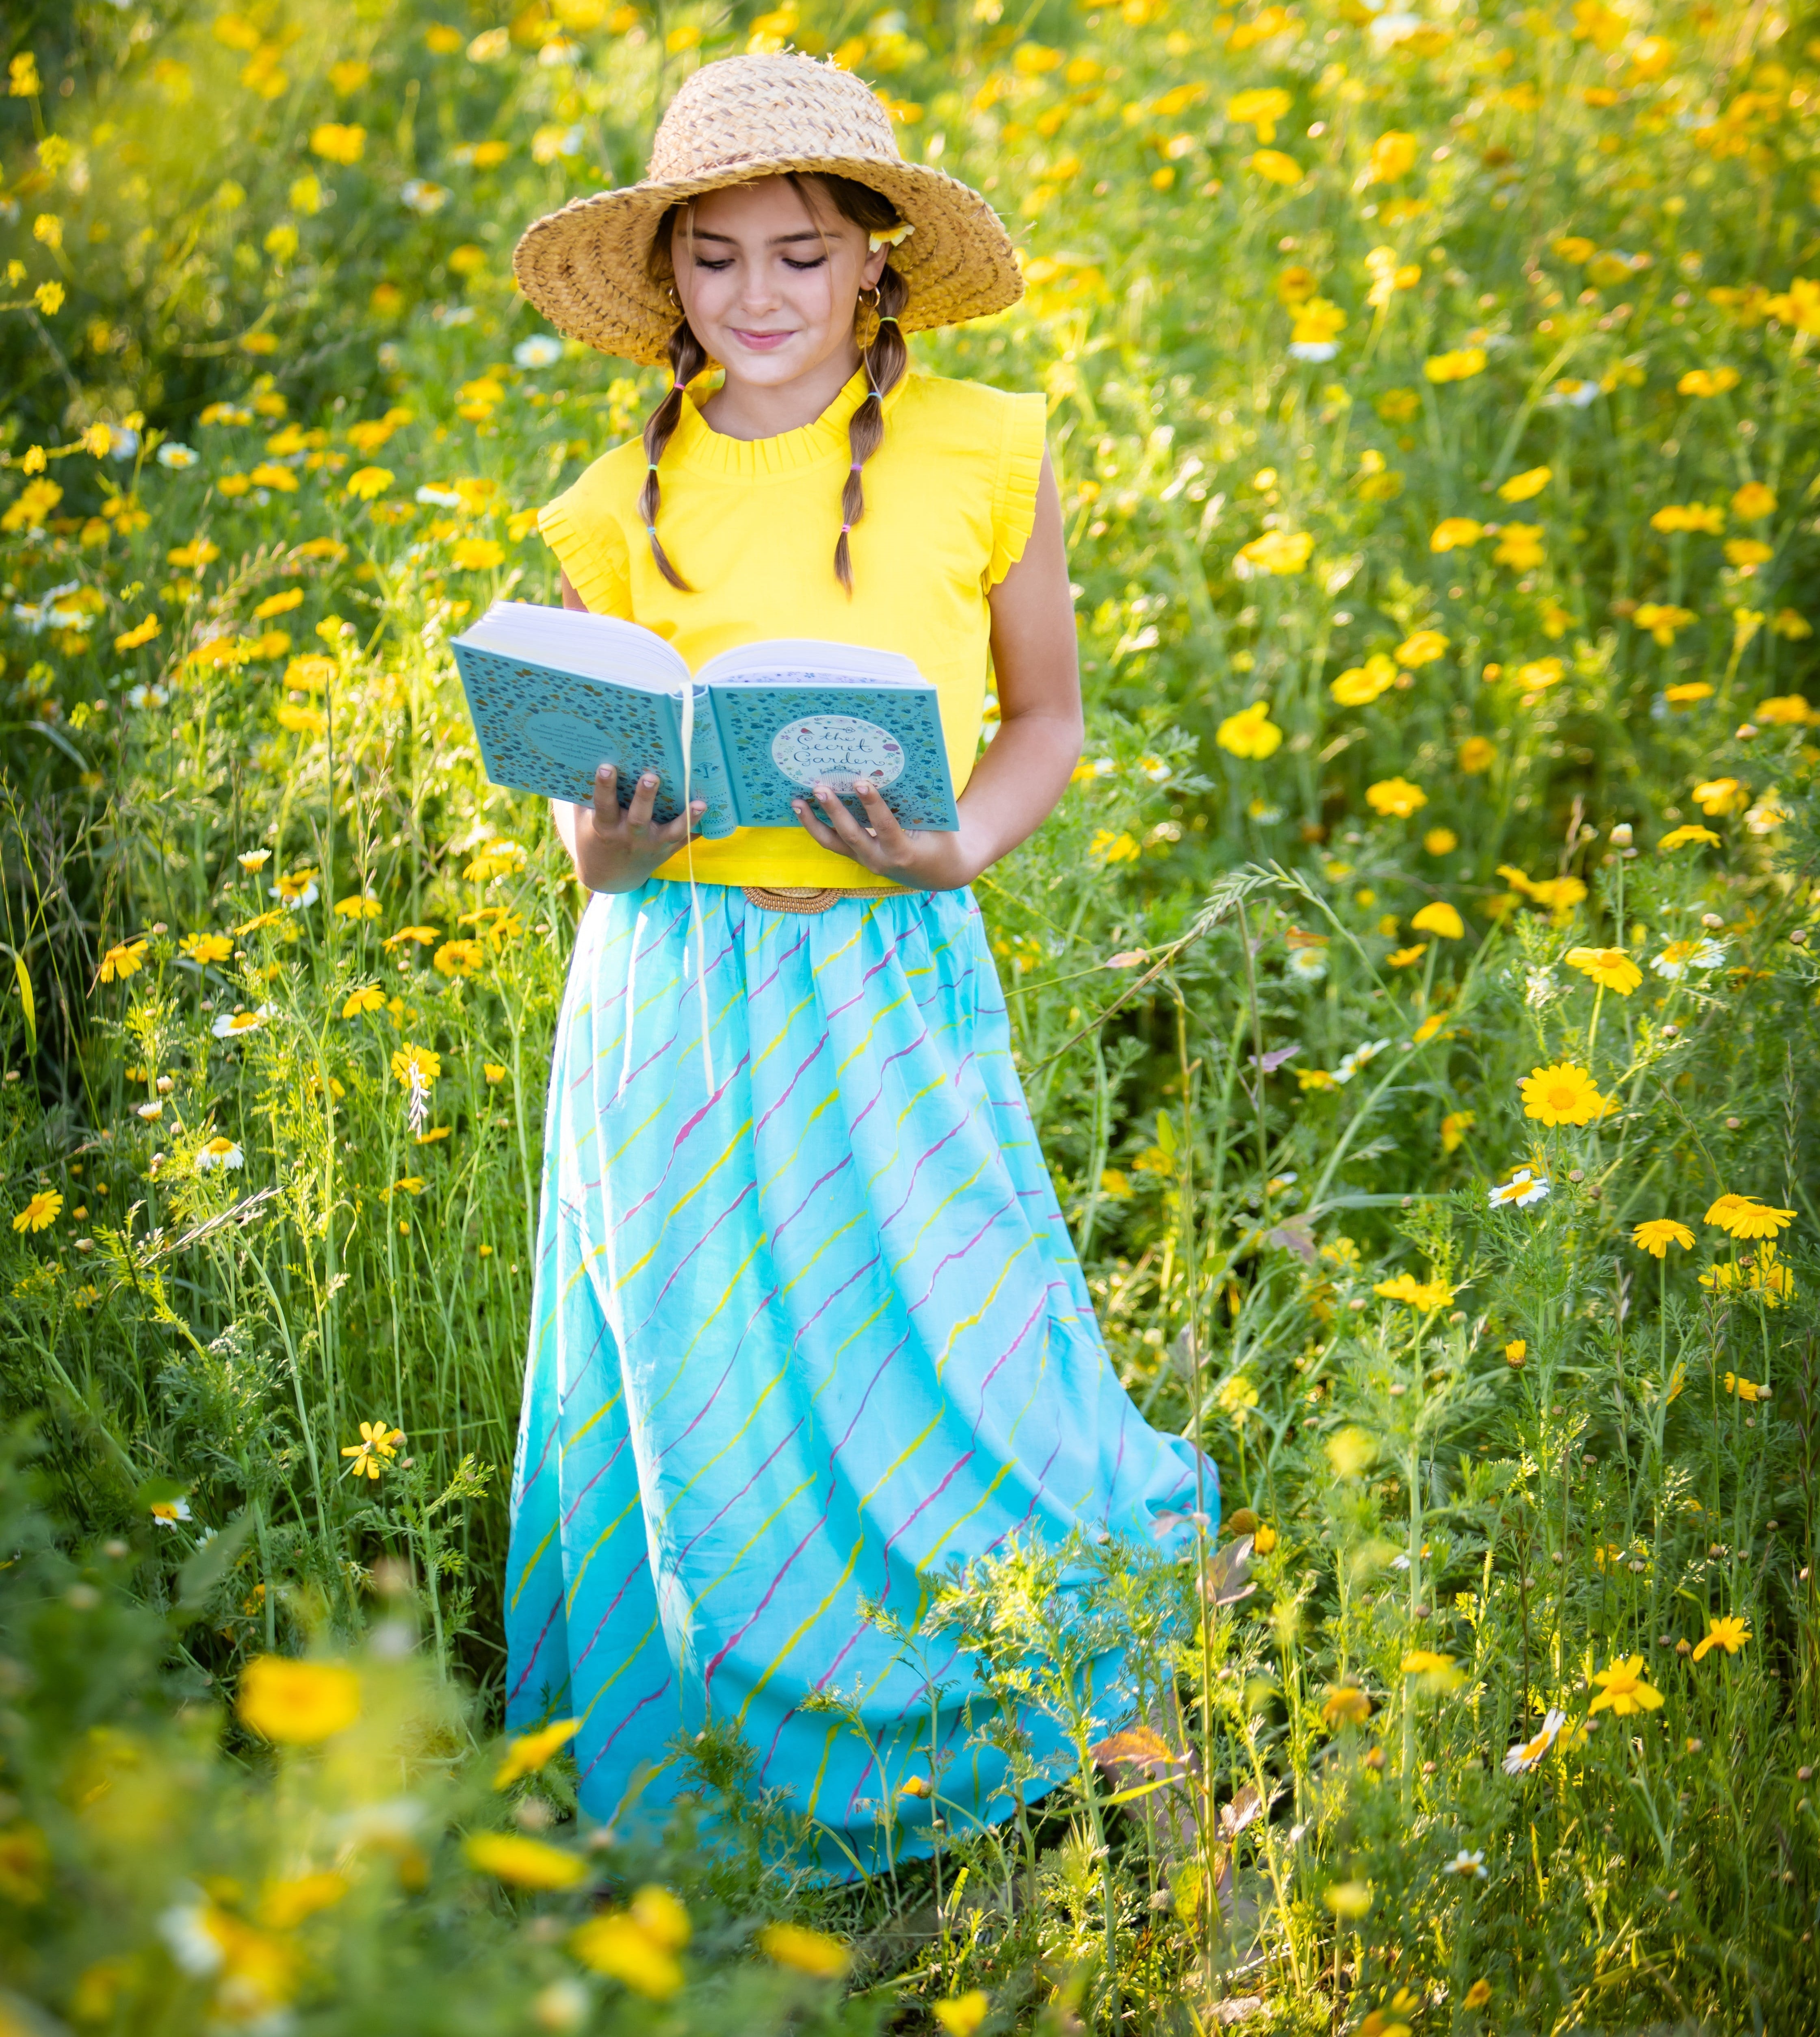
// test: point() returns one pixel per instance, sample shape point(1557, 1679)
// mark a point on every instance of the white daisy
point(1526, 1754)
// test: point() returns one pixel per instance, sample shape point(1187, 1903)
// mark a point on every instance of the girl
point(807, 1324)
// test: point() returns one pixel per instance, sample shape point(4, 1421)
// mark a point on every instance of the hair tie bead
point(887, 318)
point(845, 528)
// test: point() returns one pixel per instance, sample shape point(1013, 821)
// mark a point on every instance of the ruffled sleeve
point(589, 541)
point(1020, 467)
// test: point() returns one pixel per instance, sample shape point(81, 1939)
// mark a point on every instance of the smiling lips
point(761, 342)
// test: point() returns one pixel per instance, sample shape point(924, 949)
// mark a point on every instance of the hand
point(615, 849)
point(919, 859)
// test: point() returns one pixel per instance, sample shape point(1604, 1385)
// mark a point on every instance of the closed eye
point(815, 264)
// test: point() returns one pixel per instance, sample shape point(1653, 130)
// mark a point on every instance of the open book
point(556, 693)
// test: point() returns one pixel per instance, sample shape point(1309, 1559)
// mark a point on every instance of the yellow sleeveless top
point(751, 525)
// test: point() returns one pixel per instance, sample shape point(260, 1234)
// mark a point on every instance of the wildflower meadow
point(1415, 992)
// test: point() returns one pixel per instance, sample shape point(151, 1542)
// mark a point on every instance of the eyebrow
point(776, 239)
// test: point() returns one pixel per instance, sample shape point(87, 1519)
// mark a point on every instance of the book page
point(781, 659)
point(592, 646)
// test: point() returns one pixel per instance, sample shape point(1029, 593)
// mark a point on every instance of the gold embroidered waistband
point(790, 898)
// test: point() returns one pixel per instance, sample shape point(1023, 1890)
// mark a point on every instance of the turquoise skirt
point(807, 1328)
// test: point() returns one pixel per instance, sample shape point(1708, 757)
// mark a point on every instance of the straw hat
point(587, 267)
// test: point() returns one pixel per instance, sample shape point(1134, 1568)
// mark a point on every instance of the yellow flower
point(366, 482)
point(1540, 673)
point(1744, 1216)
point(367, 999)
point(1346, 1705)
point(1798, 307)
point(297, 1703)
point(1662, 619)
point(40, 1212)
point(1478, 1994)
point(1623, 1690)
point(1423, 1294)
point(1681, 516)
point(1679, 838)
point(1274, 166)
point(1763, 1274)
point(1295, 286)
point(416, 1067)
point(1261, 109)
point(1407, 958)
point(1316, 323)
point(1708, 381)
point(1459, 365)
point(1525, 486)
point(1562, 1094)
point(476, 554)
point(1393, 155)
point(1394, 798)
point(1454, 1128)
point(458, 957)
point(1611, 968)
point(140, 632)
point(805, 1951)
point(1420, 1662)
point(378, 1446)
point(619, 1946)
point(1348, 1900)
point(526, 1863)
point(122, 961)
point(422, 937)
point(284, 1905)
point(204, 949)
point(529, 1752)
point(1752, 501)
point(1686, 694)
point(356, 907)
point(1519, 545)
point(1718, 796)
point(1250, 733)
point(1107, 847)
point(1422, 649)
point(1362, 684)
point(1477, 754)
point(1453, 533)
point(963, 2014)
point(1655, 1236)
point(1350, 1450)
point(494, 1071)
point(1514, 1352)
point(1730, 1633)
point(1745, 1389)
point(1279, 552)
point(335, 143)
point(1784, 711)
point(1441, 841)
point(279, 604)
point(1438, 916)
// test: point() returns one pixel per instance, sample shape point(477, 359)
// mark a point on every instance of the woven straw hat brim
point(587, 267)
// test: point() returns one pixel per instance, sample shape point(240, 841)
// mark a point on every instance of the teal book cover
point(554, 694)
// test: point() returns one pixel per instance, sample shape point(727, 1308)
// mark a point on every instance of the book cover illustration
point(794, 730)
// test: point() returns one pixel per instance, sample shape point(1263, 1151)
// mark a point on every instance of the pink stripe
point(598, 1476)
point(543, 1635)
point(846, 1160)
point(909, 1520)
point(910, 1188)
point(702, 1412)
point(650, 1697)
point(950, 1258)
point(789, 1088)
point(751, 1188)
point(643, 1565)
point(677, 1562)
point(815, 1528)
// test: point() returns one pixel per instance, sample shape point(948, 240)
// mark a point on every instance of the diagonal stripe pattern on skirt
point(798, 1340)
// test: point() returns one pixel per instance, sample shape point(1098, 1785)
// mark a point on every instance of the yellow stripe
point(970, 1322)
point(897, 1465)
point(525, 1575)
point(677, 1207)
point(745, 1550)
point(605, 1534)
point(779, 1659)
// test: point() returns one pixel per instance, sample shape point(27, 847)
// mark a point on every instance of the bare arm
point(1016, 785)
point(614, 850)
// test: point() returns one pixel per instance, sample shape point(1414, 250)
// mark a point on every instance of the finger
point(605, 797)
point(817, 829)
point(643, 799)
point(879, 817)
point(842, 821)
point(683, 828)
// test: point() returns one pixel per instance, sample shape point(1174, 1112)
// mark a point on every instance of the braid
point(885, 361)
point(687, 359)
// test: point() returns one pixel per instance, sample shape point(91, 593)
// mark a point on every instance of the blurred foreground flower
point(1395, 799)
point(297, 1703)
point(1611, 968)
point(525, 1863)
point(805, 1951)
point(530, 1751)
point(1348, 1900)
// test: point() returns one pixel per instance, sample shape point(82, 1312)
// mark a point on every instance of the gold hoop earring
point(870, 302)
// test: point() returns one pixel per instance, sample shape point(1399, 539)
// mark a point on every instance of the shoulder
point(971, 414)
point(600, 487)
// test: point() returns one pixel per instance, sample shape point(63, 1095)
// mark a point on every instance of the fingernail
point(647, 779)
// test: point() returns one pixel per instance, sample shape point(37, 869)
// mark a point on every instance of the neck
point(742, 410)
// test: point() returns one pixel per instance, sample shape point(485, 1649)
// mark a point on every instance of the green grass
point(1478, 1498)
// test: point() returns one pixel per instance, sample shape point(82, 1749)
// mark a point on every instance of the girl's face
point(767, 275)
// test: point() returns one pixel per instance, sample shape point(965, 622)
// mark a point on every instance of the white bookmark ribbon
point(688, 721)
